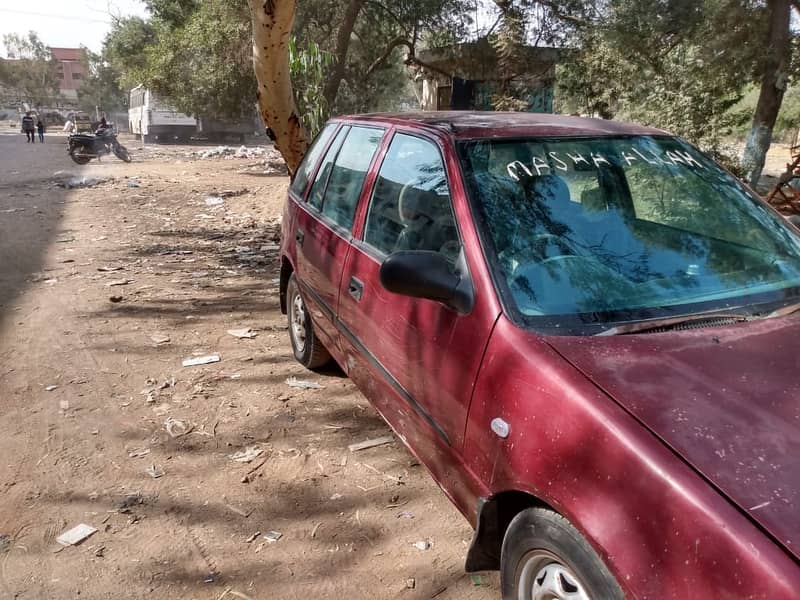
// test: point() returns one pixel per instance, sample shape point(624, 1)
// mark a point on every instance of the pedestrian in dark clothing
point(29, 128)
point(40, 129)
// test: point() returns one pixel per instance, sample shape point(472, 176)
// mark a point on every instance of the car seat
point(427, 220)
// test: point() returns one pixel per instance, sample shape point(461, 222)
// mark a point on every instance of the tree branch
point(396, 42)
point(342, 46)
point(553, 6)
point(411, 59)
point(390, 12)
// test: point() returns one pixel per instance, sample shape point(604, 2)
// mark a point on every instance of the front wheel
point(76, 154)
point(545, 558)
point(121, 152)
point(307, 348)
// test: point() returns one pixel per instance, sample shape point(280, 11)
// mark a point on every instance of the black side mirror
point(424, 274)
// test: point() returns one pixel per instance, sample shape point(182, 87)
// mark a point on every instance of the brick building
point(72, 70)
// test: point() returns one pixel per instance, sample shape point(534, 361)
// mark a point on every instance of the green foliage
point(678, 65)
point(197, 54)
point(101, 88)
point(308, 67)
point(787, 124)
point(124, 49)
point(204, 66)
point(31, 74)
point(385, 86)
point(509, 44)
point(173, 13)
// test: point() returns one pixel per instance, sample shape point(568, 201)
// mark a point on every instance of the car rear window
point(306, 167)
point(324, 171)
point(348, 174)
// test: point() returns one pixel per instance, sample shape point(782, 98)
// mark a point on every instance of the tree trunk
point(773, 85)
point(342, 46)
point(272, 27)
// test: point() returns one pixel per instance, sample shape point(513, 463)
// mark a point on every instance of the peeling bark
point(773, 86)
point(272, 27)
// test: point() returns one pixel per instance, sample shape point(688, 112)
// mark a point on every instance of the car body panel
point(662, 530)
point(726, 398)
point(436, 372)
point(321, 257)
point(582, 440)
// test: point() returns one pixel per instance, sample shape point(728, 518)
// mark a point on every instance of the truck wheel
point(544, 556)
point(307, 348)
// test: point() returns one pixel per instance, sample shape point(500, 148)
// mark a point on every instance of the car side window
point(348, 175)
point(309, 161)
point(410, 208)
point(325, 168)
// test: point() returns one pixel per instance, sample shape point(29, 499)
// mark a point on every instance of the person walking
point(29, 128)
point(40, 129)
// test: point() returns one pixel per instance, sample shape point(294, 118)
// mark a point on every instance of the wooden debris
point(387, 439)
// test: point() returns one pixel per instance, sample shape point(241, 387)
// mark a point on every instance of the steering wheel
point(545, 244)
point(402, 198)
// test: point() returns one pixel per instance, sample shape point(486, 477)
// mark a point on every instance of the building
point(72, 70)
point(466, 77)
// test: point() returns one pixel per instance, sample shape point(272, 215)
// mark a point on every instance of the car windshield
point(614, 229)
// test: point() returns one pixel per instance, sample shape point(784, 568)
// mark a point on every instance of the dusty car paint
point(603, 429)
point(725, 398)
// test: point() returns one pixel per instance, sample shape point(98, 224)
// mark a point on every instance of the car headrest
point(550, 189)
point(414, 203)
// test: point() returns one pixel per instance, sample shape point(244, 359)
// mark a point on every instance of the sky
point(65, 23)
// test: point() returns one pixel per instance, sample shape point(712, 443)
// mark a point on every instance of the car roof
point(467, 124)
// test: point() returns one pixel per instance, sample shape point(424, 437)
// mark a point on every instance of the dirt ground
point(95, 402)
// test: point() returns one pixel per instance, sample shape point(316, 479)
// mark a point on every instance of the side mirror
point(424, 274)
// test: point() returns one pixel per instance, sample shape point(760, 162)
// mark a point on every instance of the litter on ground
point(303, 384)
point(273, 536)
point(76, 535)
point(246, 333)
point(201, 360)
point(387, 439)
point(247, 455)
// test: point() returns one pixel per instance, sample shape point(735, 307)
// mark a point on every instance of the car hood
point(727, 399)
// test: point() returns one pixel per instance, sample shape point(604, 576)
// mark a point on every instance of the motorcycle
point(83, 147)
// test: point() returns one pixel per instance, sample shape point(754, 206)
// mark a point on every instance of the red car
point(583, 329)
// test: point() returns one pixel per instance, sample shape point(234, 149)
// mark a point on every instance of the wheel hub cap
point(298, 323)
point(544, 577)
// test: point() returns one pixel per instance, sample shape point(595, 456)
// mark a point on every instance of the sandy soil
point(93, 396)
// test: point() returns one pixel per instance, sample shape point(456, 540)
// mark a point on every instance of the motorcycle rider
point(103, 128)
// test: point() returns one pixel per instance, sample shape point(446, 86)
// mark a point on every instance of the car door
point(415, 359)
point(325, 220)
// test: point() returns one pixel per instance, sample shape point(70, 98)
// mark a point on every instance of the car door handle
point(299, 237)
point(356, 288)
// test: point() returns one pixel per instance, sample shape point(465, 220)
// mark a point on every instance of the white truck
point(150, 118)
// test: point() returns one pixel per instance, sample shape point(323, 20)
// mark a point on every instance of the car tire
point(307, 348)
point(544, 556)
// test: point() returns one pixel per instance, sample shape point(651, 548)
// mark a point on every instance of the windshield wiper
point(783, 311)
point(712, 319)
